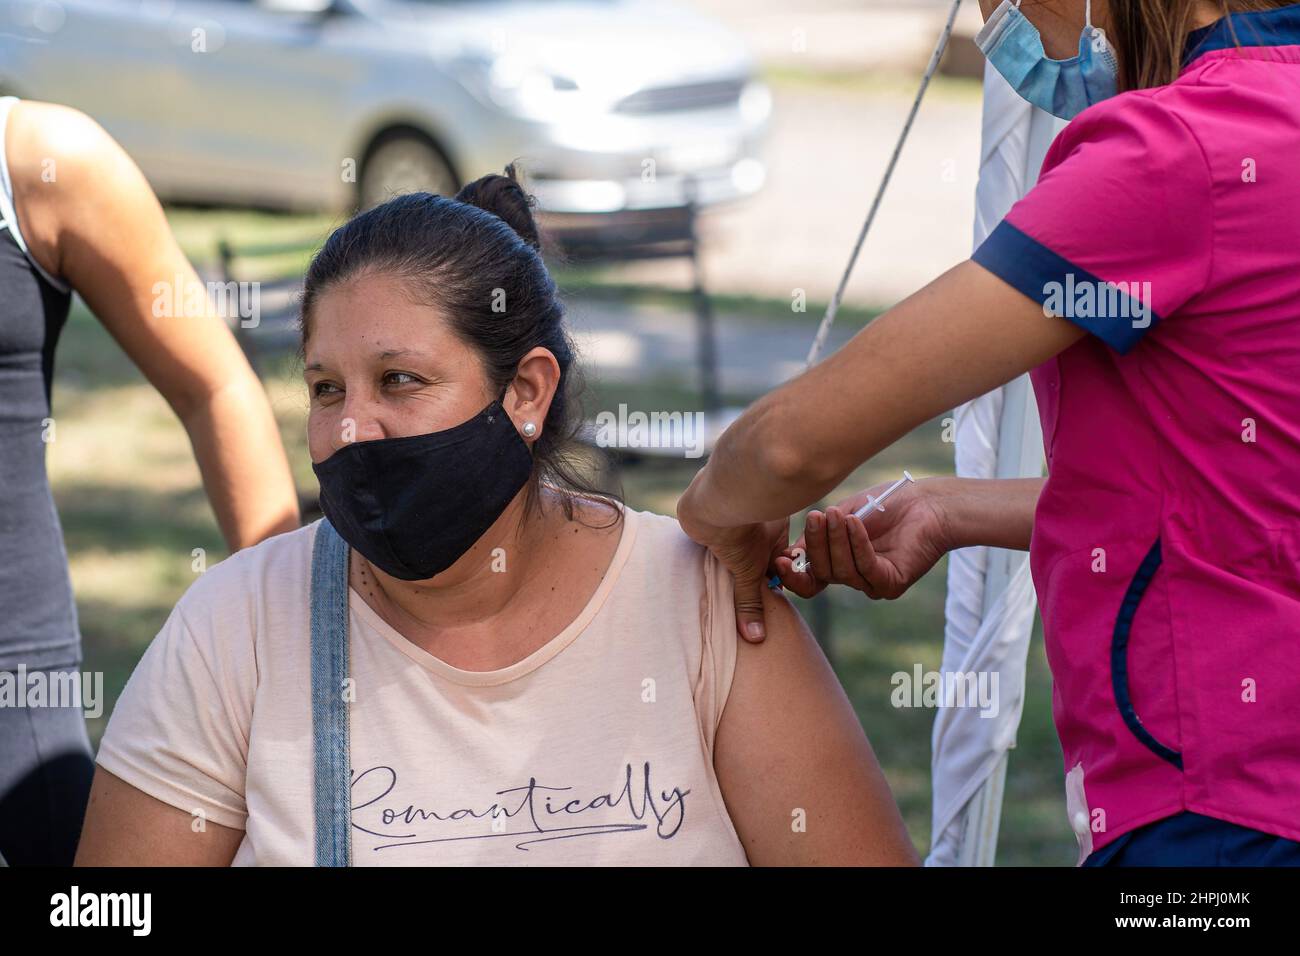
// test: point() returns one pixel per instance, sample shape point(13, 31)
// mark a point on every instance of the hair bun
point(504, 196)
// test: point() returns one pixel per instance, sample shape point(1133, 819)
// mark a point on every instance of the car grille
point(690, 96)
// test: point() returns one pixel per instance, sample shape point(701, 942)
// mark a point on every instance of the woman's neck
point(481, 586)
point(523, 582)
point(1204, 13)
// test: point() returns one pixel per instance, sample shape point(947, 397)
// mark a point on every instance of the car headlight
point(755, 102)
point(520, 87)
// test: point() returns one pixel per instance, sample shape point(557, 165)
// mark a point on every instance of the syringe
point(875, 504)
point(799, 557)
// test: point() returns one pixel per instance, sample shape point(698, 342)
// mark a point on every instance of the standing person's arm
point(887, 552)
point(89, 216)
point(962, 335)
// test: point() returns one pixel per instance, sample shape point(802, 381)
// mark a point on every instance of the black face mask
point(413, 505)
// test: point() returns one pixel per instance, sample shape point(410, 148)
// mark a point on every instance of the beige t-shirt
point(596, 749)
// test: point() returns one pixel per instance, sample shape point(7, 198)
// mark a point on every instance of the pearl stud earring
point(530, 429)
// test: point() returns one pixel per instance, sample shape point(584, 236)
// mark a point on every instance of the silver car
point(612, 107)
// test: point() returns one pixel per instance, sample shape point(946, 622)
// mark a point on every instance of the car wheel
point(404, 162)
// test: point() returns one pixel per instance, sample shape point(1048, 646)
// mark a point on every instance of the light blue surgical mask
point(1064, 88)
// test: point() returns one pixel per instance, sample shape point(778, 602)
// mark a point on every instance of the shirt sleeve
point(179, 731)
point(1118, 232)
point(718, 660)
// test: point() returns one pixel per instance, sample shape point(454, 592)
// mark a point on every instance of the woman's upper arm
point(127, 827)
point(93, 219)
point(799, 778)
point(173, 761)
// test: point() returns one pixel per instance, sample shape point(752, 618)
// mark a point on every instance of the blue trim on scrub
point(1191, 839)
point(1119, 656)
point(1027, 265)
point(1279, 27)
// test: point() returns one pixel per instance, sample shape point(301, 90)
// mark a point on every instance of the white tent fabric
point(990, 602)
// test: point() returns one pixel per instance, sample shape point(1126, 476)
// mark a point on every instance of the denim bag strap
point(329, 713)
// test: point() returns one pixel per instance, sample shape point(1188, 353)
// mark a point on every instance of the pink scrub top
point(1166, 544)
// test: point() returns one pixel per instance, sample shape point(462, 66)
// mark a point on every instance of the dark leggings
point(1190, 839)
point(45, 771)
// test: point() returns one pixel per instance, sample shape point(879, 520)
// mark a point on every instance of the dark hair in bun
point(477, 258)
point(504, 197)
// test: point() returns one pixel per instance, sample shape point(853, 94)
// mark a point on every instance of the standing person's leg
point(46, 766)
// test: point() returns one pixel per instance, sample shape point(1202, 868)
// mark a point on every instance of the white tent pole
point(1020, 442)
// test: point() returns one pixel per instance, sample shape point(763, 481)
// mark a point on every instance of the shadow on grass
point(120, 519)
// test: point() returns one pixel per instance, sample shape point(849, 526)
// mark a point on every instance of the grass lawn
point(133, 511)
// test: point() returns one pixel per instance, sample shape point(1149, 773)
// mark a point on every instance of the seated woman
point(534, 672)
